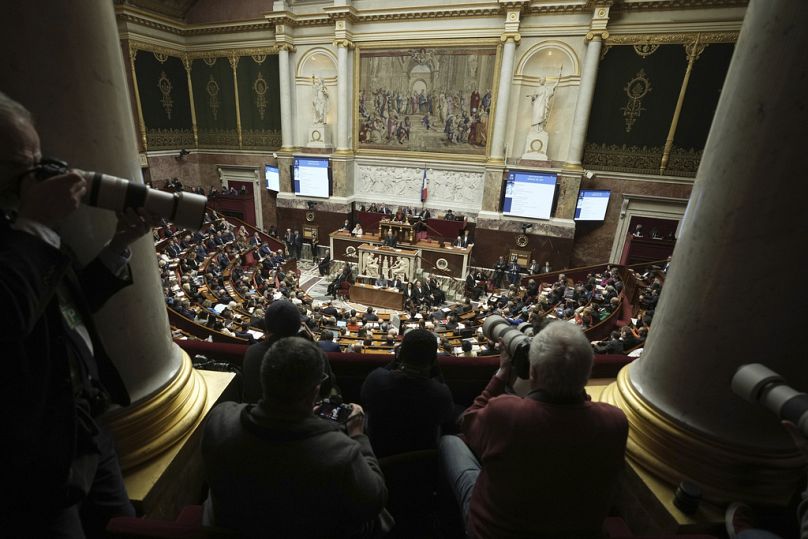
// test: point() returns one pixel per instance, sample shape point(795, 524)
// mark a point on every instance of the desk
point(388, 298)
point(450, 262)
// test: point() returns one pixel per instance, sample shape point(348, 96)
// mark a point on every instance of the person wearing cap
point(407, 401)
point(282, 319)
point(277, 469)
point(544, 465)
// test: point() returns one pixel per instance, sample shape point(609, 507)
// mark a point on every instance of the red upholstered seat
point(188, 525)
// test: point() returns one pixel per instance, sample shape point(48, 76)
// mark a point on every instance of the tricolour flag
point(424, 187)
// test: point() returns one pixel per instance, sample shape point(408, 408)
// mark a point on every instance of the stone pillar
point(343, 105)
point(583, 106)
point(729, 298)
point(81, 109)
point(287, 127)
point(497, 151)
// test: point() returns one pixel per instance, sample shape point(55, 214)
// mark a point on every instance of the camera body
point(516, 341)
point(758, 384)
point(186, 210)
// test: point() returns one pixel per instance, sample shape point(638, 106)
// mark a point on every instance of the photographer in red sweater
point(544, 465)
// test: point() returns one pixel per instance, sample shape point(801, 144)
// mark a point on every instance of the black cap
point(282, 319)
point(419, 347)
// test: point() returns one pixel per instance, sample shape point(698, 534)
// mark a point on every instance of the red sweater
point(546, 468)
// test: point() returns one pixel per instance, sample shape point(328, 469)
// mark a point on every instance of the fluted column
point(343, 99)
point(583, 106)
point(287, 128)
point(497, 150)
point(730, 296)
point(82, 112)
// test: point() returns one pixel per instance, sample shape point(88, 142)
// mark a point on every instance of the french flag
point(424, 187)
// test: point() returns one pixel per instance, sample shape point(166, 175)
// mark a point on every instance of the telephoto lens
point(761, 385)
point(514, 340)
point(186, 210)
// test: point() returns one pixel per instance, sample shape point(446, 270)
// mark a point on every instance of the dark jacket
point(288, 478)
point(36, 392)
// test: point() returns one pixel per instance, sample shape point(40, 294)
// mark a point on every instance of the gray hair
point(11, 110)
point(561, 359)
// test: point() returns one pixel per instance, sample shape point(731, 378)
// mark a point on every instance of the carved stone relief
point(455, 189)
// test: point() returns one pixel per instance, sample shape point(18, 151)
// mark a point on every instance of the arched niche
point(318, 62)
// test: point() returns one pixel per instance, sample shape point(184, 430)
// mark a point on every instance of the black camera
point(757, 383)
point(334, 410)
point(516, 341)
point(187, 210)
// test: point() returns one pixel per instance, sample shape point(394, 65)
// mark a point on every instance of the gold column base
point(147, 428)
point(673, 452)
point(572, 167)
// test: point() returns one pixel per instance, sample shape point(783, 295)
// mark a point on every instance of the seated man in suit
point(278, 468)
point(326, 342)
point(380, 281)
point(370, 316)
point(544, 465)
point(324, 264)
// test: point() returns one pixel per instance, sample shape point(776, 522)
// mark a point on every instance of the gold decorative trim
point(262, 139)
point(675, 38)
point(260, 88)
point(164, 83)
point(140, 121)
point(674, 451)
point(208, 56)
point(636, 89)
point(194, 126)
point(146, 429)
point(656, 5)
point(233, 59)
point(640, 160)
point(516, 37)
point(158, 139)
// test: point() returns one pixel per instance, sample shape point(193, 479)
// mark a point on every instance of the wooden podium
point(402, 231)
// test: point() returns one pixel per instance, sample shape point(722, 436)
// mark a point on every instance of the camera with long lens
point(758, 384)
point(186, 210)
point(516, 341)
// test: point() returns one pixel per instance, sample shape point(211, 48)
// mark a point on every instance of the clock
point(521, 240)
point(309, 216)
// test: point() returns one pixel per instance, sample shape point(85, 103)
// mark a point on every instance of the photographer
point(63, 477)
point(277, 468)
point(544, 465)
point(407, 401)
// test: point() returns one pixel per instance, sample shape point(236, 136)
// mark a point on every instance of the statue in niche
point(385, 268)
point(320, 100)
point(541, 102)
point(371, 266)
point(401, 268)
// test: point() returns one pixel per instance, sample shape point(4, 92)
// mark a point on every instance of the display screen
point(592, 204)
point(273, 178)
point(529, 194)
point(311, 177)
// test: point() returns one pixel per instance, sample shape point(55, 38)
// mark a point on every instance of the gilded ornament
point(165, 88)
point(646, 49)
point(260, 88)
point(636, 89)
point(522, 240)
point(212, 88)
point(160, 57)
point(209, 61)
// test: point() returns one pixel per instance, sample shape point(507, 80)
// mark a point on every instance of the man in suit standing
point(465, 240)
point(390, 239)
point(297, 243)
point(288, 239)
point(63, 477)
point(513, 271)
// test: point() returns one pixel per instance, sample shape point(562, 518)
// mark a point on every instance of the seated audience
point(277, 469)
point(543, 465)
point(407, 401)
point(282, 319)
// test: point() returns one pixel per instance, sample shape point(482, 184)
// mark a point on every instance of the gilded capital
point(288, 47)
point(347, 43)
point(516, 37)
point(602, 34)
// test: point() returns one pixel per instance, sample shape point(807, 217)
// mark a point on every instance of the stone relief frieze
point(400, 184)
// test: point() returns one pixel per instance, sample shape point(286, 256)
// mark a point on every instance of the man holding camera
point(544, 465)
point(63, 477)
point(277, 469)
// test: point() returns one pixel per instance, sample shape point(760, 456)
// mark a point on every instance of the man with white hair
point(544, 465)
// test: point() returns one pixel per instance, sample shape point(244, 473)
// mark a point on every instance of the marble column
point(731, 296)
point(81, 107)
point(343, 106)
point(497, 150)
point(287, 128)
point(583, 106)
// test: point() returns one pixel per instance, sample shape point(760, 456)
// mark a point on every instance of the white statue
point(541, 102)
point(320, 100)
point(401, 268)
point(371, 266)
